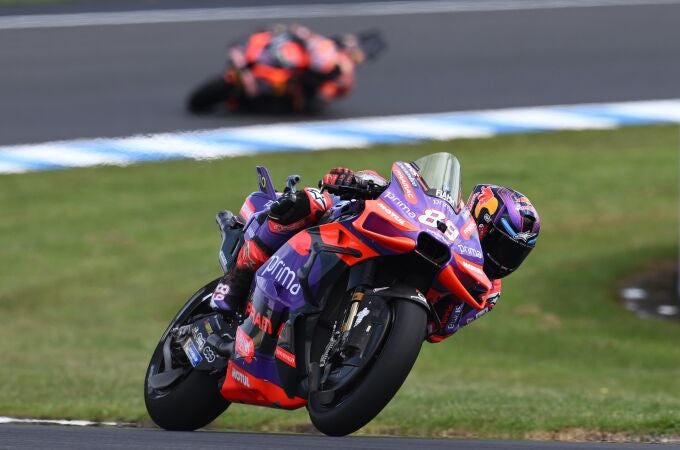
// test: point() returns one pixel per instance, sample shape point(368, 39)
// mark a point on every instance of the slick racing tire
point(352, 410)
point(194, 399)
point(206, 97)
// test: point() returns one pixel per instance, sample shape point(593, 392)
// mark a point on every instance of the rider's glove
point(299, 209)
point(283, 208)
point(339, 176)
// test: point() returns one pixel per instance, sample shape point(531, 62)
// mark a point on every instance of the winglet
point(265, 182)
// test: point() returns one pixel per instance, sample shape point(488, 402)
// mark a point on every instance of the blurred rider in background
point(293, 61)
point(507, 224)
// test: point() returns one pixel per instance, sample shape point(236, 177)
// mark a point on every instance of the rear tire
point(382, 380)
point(194, 400)
point(206, 97)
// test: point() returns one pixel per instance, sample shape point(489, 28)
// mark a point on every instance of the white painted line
point(64, 155)
point(303, 138)
point(179, 145)
point(79, 423)
point(7, 167)
point(656, 110)
point(539, 118)
point(346, 133)
point(423, 129)
point(301, 12)
point(224, 151)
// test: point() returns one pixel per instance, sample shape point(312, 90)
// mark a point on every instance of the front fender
point(402, 291)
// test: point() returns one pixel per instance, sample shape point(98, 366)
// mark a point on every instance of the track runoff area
point(322, 135)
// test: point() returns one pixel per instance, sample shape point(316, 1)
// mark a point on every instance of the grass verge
point(95, 262)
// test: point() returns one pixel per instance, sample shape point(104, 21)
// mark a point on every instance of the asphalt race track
point(72, 438)
point(63, 83)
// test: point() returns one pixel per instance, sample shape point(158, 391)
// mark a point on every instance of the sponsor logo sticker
point(399, 204)
point(445, 195)
point(318, 197)
point(486, 200)
point(285, 356)
point(525, 236)
point(454, 318)
point(244, 346)
point(472, 268)
point(246, 211)
point(394, 216)
point(209, 354)
point(469, 251)
point(409, 193)
point(208, 327)
point(283, 274)
point(200, 340)
point(192, 352)
point(240, 377)
point(260, 320)
point(411, 173)
point(468, 229)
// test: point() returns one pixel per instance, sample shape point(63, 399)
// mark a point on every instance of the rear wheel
point(178, 397)
point(206, 97)
point(358, 401)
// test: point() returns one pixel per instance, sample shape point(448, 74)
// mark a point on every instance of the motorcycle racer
point(507, 223)
point(294, 61)
point(357, 276)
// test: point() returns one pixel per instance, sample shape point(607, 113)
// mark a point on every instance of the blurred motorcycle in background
point(286, 68)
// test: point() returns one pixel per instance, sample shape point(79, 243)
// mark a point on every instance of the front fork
point(355, 338)
point(361, 278)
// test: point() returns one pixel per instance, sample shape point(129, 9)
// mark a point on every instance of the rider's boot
point(231, 293)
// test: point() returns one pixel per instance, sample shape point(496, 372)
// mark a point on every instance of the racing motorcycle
point(336, 317)
point(276, 80)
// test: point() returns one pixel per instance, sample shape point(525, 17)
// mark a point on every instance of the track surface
point(71, 438)
point(62, 83)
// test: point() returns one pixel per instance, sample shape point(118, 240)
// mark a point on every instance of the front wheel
point(374, 388)
point(206, 97)
point(178, 397)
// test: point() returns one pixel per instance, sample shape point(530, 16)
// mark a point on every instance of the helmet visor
point(502, 253)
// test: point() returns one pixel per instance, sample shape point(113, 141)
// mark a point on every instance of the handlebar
point(291, 181)
point(369, 191)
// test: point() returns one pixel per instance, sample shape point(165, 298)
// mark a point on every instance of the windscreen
point(441, 173)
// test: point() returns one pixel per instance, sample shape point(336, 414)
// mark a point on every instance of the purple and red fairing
point(420, 210)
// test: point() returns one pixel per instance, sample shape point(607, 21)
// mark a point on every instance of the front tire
point(206, 97)
point(382, 380)
point(194, 399)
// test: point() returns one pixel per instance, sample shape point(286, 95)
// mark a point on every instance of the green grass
point(95, 262)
